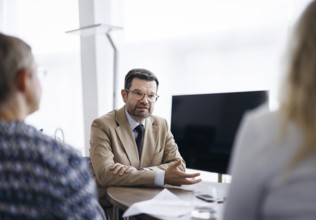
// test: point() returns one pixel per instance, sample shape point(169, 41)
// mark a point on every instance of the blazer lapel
point(126, 137)
point(150, 140)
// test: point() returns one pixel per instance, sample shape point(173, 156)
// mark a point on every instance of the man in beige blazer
point(113, 150)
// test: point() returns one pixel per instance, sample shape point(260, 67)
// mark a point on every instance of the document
point(164, 205)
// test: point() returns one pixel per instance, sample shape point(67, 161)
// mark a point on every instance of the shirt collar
point(133, 124)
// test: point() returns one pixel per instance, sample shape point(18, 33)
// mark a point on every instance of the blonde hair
point(298, 100)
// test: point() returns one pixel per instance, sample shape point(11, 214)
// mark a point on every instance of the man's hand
point(120, 169)
point(173, 176)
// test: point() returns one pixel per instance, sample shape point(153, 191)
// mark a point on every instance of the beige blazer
point(112, 141)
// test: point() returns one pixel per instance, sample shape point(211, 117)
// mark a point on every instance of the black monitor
point(204, 126)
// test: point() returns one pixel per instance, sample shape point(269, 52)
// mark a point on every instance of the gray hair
point(15, 55)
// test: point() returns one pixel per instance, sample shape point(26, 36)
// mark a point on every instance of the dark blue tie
point(139, 140)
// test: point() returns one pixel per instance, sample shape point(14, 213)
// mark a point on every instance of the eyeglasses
point(139, 95)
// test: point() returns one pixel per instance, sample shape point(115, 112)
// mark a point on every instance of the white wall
point(206, 46)
point(213, 67)
point(194, 46)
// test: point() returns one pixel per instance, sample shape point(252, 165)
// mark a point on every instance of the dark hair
point(140, 74)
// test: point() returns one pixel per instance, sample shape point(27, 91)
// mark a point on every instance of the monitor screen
point(204, 126)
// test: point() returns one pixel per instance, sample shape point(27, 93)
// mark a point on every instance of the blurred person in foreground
point(273, 167)
point(116, 158)
point(40, 178)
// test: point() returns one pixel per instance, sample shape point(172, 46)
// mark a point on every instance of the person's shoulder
point(108, 115)
point(58, 146)
point(262, 112)
point(157, 119)
point(65, 167)
point(108, 119)
point(69, 163)
point(55, 151)
point(262, 118)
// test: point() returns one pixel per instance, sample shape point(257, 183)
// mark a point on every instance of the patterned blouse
point(41, 178)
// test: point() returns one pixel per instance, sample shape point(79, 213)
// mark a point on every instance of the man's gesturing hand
point(174, 176)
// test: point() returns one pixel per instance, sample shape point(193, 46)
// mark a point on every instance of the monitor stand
point(220, 178)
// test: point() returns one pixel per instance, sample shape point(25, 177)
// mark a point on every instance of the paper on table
point(163, 204)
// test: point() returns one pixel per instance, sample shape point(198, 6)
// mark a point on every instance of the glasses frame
point(144, 94)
